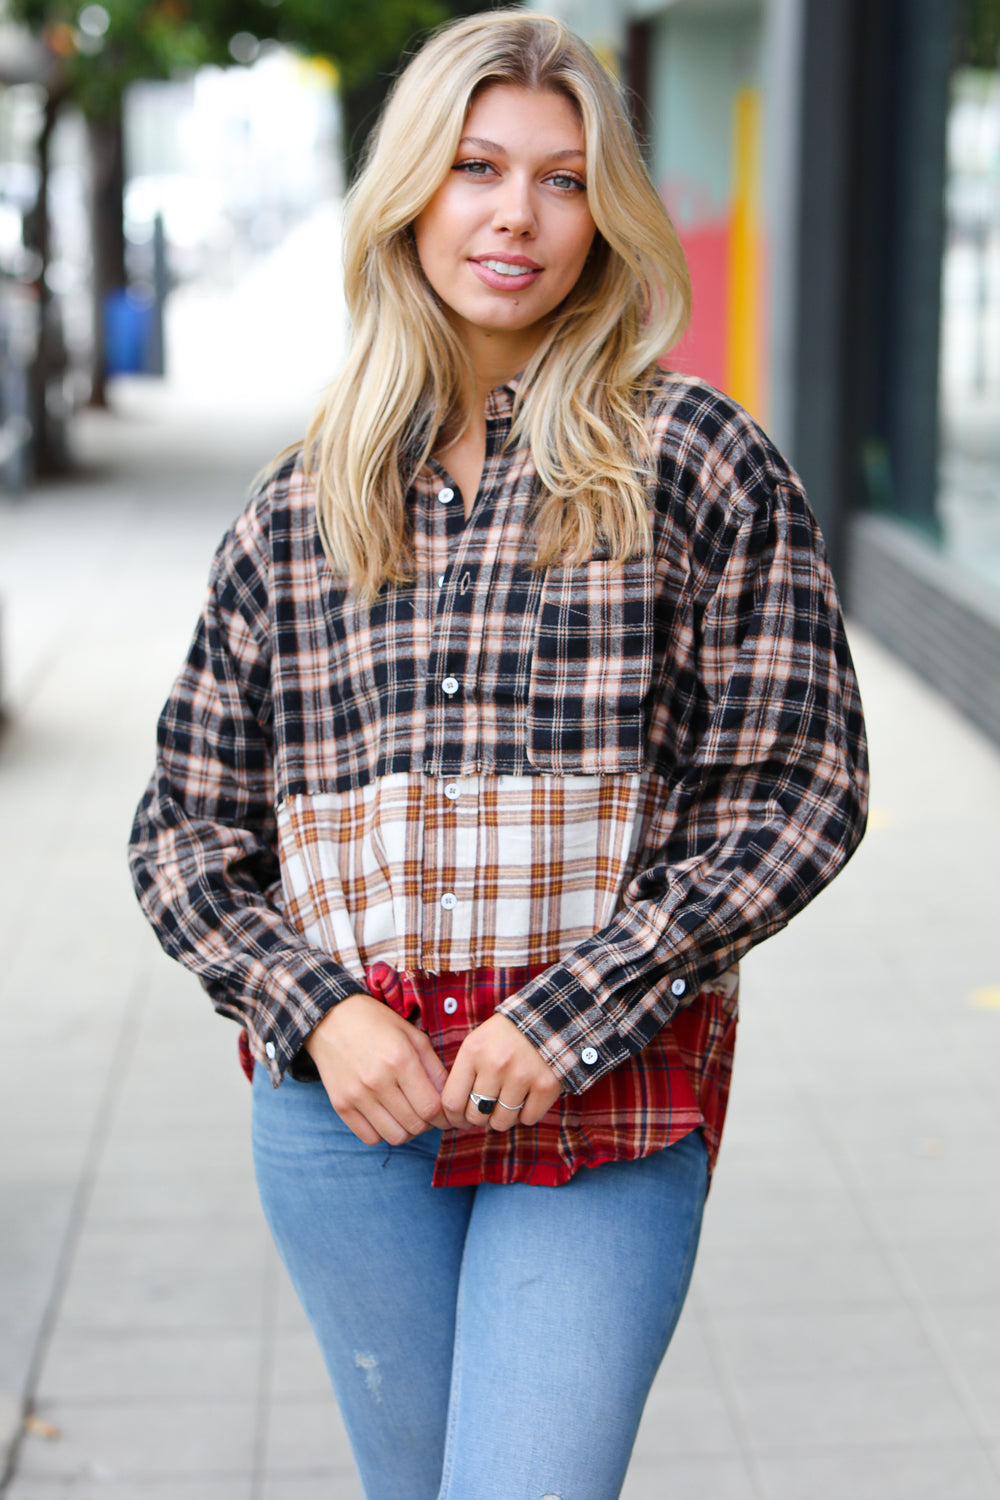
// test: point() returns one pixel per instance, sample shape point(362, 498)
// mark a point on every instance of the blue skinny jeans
point(484, 1343)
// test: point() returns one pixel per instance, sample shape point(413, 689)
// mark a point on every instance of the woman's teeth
point(503, 268)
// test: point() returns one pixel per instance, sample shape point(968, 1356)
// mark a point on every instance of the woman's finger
point(361, 1127)
point(432, 1064)
point(413, 1121)
point(482, 1101)
point(505, 1115)
point(540, 1100)
point(412, 1085)
point(455, 1094)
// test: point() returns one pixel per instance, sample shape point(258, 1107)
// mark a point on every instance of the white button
point(446, 496)
point(589, 1056)
point(440, 580)
point(678, 986)
point(450, 1005)
point(450, 685)
point(270, 1049)
point(453, 791)
point(449, 900)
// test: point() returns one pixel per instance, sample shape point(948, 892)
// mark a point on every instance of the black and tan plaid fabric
point(629, 775)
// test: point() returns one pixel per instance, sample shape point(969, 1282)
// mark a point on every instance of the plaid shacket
point(574, 795)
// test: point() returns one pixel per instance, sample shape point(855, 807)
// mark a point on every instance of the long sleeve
point(203, 846)
point(765, 803)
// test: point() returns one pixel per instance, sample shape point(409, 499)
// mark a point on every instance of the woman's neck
point(495, 359)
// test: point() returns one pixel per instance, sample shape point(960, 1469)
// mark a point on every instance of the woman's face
point(506, 235)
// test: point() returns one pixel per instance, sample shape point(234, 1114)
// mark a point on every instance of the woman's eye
point(566, 181)
point(473, 168)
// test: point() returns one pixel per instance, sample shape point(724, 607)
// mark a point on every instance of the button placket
point(464, 569)
point(449, 542)
point(451, 847)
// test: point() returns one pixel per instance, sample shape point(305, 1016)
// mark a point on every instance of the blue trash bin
point(128, 332)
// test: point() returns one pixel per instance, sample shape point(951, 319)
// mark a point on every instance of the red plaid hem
point(676, 1084)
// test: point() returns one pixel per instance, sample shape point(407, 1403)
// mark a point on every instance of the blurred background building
point(833, 167)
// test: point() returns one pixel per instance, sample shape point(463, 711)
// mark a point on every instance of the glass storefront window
point(969, 495)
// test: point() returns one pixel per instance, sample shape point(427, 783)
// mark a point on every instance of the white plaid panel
point(446, 874)
point(347, 870)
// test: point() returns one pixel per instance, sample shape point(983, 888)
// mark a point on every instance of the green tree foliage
point(105, 46)
point(982, 34)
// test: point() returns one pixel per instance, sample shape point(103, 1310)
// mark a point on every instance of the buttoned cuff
point(299, 988)
point(583, 1029)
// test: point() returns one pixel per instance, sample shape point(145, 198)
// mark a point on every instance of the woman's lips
point(506, 275)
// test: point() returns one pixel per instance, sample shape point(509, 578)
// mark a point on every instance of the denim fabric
point(485, 1343)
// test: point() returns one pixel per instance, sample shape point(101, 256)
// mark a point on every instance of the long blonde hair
point(579, 400)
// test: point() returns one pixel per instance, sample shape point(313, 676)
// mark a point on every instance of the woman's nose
point(514, 210)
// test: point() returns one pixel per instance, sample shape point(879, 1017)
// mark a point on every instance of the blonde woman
point(520, 708)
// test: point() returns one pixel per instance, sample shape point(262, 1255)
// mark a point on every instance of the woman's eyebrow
point(483, 145)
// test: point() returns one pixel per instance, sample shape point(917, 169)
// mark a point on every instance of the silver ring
point(512, 1107)
point(485, 1105)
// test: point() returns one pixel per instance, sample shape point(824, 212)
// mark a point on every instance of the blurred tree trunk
point(107, 165)
point(37, 237)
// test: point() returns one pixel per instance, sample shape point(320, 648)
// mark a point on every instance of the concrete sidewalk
point(843, 1334)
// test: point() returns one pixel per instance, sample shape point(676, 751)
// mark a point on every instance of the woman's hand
point(381, 1074)
point(497, 1062)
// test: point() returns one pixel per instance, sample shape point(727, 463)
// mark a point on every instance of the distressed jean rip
point(373, 1375)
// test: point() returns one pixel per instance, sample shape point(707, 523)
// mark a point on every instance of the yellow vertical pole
point(743, 289)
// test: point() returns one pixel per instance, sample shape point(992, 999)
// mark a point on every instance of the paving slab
point(687, 1418)
point(881, 1472)
point(305, 1436)
point(114, 1368)
point(334, 1484)
point(297, 1367)
point(653, 1478)
point(134, 1441)
point(914, 1407)
point(105, 1488)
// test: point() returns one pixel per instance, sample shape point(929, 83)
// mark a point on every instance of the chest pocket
point(591, 669)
